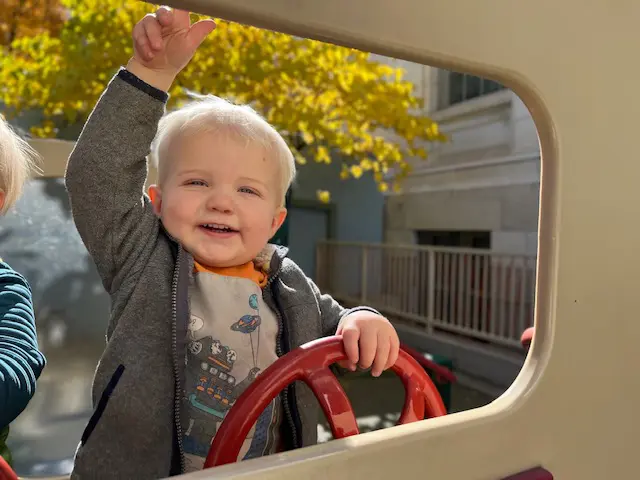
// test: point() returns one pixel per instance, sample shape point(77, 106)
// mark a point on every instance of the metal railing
point(475, 293)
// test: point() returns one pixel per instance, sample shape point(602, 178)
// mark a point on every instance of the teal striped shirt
point(20, 360)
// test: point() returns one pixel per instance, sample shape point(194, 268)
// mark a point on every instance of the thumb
point(199, 31)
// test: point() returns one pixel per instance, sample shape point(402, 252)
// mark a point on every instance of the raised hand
point(163, 43)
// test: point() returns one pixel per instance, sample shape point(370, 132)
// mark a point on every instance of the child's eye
point(197, 183)
point(248, 190)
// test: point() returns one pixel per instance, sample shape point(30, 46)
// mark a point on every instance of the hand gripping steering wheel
point(310, 363)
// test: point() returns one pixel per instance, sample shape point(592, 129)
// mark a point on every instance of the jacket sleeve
point(331, 311)
point(106, 174)
point(20, 360)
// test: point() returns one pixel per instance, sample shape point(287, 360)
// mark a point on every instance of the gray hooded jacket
point(135, 430)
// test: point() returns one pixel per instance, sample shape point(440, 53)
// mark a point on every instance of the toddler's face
point(220, 198)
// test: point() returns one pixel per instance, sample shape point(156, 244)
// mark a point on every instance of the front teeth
point(216, 226)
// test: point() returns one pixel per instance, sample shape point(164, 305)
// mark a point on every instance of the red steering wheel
point(6, 472)
point(527, 337)
point(310, 363)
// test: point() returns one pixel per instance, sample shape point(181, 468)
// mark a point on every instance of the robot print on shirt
point(216, 389)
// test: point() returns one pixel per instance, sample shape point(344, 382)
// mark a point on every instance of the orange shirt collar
point(248, 270)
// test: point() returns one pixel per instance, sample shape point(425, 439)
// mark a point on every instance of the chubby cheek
point(258, 233)
point(176, 217)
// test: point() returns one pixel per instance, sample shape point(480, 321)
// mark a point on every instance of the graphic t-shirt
point(232, 338)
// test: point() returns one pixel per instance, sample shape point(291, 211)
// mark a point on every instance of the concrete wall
point(486, 178)
point(509, 212)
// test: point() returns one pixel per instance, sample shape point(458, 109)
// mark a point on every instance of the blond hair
point(17, 161)
point(212, 114)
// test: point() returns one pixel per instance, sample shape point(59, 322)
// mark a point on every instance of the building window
point(460, 87)
point(454, 238)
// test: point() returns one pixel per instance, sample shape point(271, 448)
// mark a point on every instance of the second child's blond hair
point(17, 161)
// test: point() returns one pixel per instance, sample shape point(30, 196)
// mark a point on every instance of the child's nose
point(220, 201)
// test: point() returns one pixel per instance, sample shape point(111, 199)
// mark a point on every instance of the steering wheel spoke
point(334, 402)
point(414, 403)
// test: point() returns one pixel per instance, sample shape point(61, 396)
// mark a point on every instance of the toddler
point(201, 302)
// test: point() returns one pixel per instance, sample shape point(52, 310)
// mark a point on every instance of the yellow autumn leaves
point(323, 196)
point(330, 103)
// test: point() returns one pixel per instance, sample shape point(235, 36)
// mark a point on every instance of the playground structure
point(539, 421)
point(310, 363)
point(544, 424)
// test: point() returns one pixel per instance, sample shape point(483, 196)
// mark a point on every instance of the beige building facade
point(480, 189)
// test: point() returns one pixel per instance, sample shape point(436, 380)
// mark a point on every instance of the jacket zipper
point(279, 352)
point(176, 368)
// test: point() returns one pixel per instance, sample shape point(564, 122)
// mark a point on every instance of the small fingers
point(181, 18)
point(381, 355)
point(141, 43)
point(147, 36)
point(153, 32)
point(368, 347)
point(350, 337)
point(164, 16)
point(394, 349)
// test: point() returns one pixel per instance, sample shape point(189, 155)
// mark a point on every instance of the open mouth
point(218, 228)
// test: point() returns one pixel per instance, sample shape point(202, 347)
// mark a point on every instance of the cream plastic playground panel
point(569, 410)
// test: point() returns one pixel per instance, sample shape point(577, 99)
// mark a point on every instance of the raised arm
point(107, 170)
point(106, 174)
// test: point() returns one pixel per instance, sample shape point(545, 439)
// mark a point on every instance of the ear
point(156, 199)
point(2, 199)
point(278, 220)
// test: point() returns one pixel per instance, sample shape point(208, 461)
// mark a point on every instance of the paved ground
point(44, 438)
